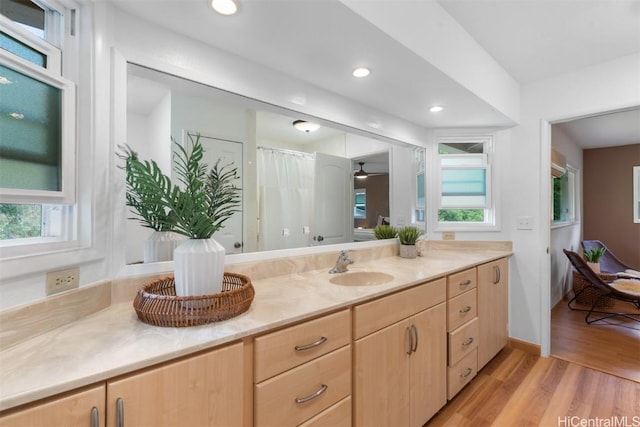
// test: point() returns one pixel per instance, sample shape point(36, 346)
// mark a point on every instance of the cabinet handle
point(321, 341)
point(415, 343)
point(95, 419)
point(466, 373)
point(465, 283)
point(467, 342)
point(496, 270)
point(465, 310)
point(321, 390)
point(408, 331)
point(119, 412)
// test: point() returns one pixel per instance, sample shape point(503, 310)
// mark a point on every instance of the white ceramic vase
point(408, 251)
point(198, 267)
point(160, 245)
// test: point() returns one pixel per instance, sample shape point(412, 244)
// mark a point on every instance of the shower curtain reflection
point(285, 198)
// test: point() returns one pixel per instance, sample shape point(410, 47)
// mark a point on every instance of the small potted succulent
point(592, 256)
point(385, 231)
point(408, 236)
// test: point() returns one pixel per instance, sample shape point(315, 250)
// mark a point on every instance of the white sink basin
point(361, 278)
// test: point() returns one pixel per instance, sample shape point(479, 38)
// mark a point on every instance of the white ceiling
point(321, 41)
point(605, 130)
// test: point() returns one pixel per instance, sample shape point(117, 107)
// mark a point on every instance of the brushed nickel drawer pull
point(321, 341)
point(466, 373)
point(119, 412)
point(305, 399)
point(465, 310)
point(409, 331)
point(496, 270)
point(95, 419)
point(415, 333)
point(465, 283)
point(467, 342)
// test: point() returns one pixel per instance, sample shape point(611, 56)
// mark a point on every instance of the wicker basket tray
point(157, 304)
point(590, 294)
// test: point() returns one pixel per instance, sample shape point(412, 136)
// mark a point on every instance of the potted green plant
point(149, 209)
point(408, 236)
point(385, 231)
point(196, 207)
point(592, 256)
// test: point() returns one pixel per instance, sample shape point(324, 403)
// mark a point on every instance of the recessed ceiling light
point(361, 72)
point(305, 126)
point(436, 108)
point(224, 7)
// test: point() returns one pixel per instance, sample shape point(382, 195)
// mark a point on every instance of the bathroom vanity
point(308, 352)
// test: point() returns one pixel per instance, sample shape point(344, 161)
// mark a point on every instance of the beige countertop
point(113, 341)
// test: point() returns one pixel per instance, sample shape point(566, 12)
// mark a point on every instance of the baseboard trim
point(524, 346)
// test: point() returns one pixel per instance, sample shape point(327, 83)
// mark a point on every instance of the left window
point(37, 124)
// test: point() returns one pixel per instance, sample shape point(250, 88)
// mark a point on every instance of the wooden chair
point(595, 282)
point(609, 263)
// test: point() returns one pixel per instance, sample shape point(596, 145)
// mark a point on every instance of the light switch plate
point(524, 223)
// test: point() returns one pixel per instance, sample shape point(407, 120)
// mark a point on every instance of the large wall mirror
point(299, 188)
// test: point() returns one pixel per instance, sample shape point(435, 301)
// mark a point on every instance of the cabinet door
point(493, 309)
point(74, 409)
point(203, 390)
point(381, 380)
point(428, 364)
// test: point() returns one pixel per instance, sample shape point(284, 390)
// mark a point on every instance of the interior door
point(333, 193)
point(230, 235)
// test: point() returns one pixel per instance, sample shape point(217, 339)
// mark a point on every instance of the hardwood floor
point(593, 376)
point(522, 389)
point(611, 346)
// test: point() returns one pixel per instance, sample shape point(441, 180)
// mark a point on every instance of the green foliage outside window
point(461, 215)
point(20, 221)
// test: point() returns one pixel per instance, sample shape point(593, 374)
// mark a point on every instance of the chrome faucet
point(342, 263)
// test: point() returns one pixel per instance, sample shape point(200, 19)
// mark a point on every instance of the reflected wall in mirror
point(298, 187)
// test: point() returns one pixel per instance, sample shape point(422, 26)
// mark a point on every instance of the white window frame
point(573, 201)
point(68, 138)
point(491, 214)
point(19, 257)
point(420, 167)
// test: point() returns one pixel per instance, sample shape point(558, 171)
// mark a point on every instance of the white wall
point(603, 87)
point(565, 236)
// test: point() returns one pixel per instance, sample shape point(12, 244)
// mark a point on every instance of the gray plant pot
point(408, 251)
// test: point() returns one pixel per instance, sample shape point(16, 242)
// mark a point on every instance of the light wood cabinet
point(81, 408)
point(400, 370)
point(203, 390)
point(493, 309)
point(302, 372)
point(462, 328)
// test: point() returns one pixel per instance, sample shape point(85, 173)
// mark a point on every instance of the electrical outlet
point(448, 235)
point(63, 280)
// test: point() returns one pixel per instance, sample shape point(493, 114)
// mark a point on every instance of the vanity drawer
point(293, 346)
point(288, 399)
point(339, 415)
point(463, 341)
point(461, 373)
point(378, 314)
point(461, 309)
point(460, 282)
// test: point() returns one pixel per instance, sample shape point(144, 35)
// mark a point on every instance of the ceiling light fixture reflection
point(224, 7)
point(436, 108)
point(5, 81)
point(304, 126)
point(361, 72)
point(17, 116)
point(361, 174)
